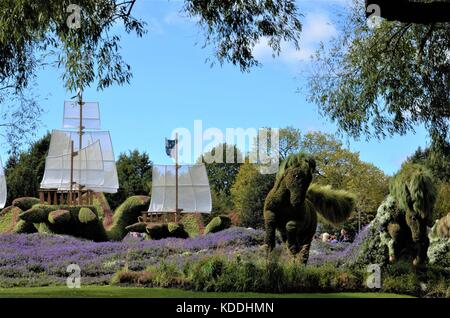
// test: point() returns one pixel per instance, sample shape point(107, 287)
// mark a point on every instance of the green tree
point(221, 205)
point(290, 138)
point(36, 33)
point(24, 171)
point(384, 80)
point(289, 142)
point(221, 175)
point(249, 193)
point(442, 205)
point(437, 159)
point(221, 172)
point(135, 177)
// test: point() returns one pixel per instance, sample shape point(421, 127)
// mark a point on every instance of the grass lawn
point(125, 292)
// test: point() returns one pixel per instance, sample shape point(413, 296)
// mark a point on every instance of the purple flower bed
point(39, 259)
point(339, 253)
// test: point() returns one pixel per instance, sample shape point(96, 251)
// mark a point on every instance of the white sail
point(2, 186)
point(91, 115)
point(87, 169)
point(194, 194)
point(60, 145)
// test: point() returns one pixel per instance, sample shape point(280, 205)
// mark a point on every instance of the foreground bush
point(219, 273)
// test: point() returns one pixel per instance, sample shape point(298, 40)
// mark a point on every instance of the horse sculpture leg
point(292, 237)
point(304, 253)
point(421, 252)
point(270, 225)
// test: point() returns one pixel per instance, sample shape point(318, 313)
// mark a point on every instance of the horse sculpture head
point(297, 172)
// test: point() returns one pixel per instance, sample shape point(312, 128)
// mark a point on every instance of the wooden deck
point(62, 197)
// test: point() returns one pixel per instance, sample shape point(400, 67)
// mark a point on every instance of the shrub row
point(222, 274)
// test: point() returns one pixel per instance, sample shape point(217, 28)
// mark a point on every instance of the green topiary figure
point(158, 231)
point(166, 230)
point(291, 206)
point(25, 203)
point(439, 251)
point(217, 224)
point(405, 227)
point(126, 214)
point(81, 221)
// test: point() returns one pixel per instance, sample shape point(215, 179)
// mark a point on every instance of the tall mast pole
point(71, 173)
point(176, 177)
point(80, 135)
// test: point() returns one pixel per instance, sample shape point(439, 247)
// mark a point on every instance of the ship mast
point(177, 210)
point(80, 135)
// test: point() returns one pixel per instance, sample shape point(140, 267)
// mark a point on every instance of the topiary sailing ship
point(81, 221)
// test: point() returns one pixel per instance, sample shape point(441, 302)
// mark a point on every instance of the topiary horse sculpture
point(291, 206)
point(409, 213)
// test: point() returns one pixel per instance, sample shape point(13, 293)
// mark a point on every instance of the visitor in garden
point(325, 237)
point(333, 239)
point(344, 236)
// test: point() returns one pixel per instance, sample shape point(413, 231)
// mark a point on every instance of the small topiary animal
point(291, 206)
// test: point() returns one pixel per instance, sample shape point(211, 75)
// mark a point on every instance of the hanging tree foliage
point(384, 80)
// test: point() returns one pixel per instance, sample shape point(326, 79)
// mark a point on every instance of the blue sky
point(172, 86)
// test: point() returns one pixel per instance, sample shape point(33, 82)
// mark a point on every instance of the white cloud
point(317, 27)
point(177, 18)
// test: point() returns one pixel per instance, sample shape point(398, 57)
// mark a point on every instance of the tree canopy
point(34, 34)
point(437, 160)
point(249, 193)
point(384, 80)
point(222, 174)
point(24, 171)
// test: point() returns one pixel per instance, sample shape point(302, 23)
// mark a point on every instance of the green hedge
point(219, 223)
point(86, 216)
point(126, 214)
point(166, 230)
point(78, 221)
point(25, 203)
point(59, 217)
